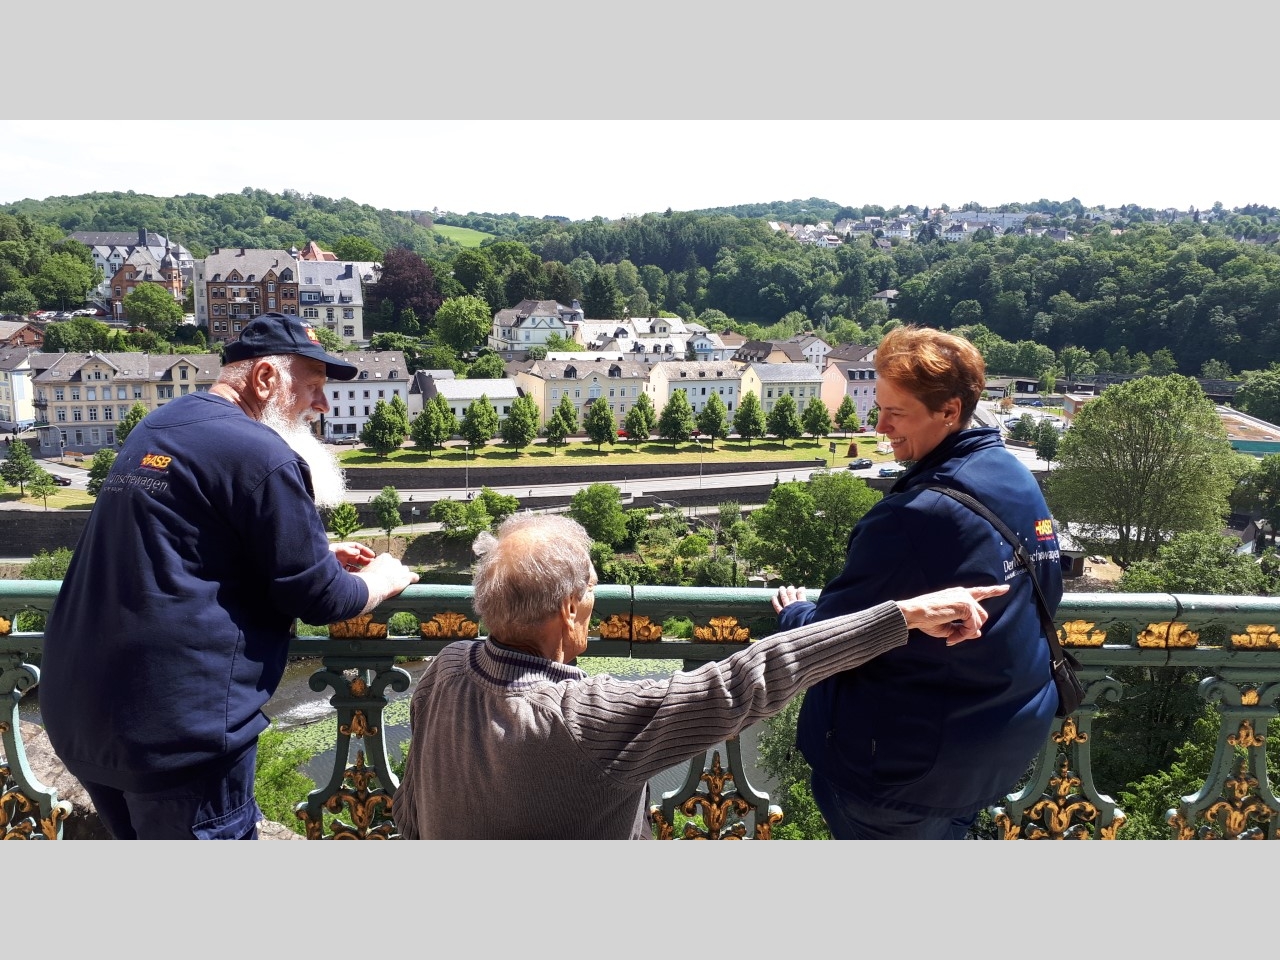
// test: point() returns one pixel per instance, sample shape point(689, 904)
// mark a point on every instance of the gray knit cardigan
point(507, 745)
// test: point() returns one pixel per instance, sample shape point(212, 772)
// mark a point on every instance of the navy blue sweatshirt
point(928, 728)
point(171, 629)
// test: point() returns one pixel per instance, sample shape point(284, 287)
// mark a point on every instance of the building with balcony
point(528, 324)
point(380, 375)
point(645, 339)
point(331, 295)
point(17, 397)
point(79, 397)
point(234, 285)
point(710, 346)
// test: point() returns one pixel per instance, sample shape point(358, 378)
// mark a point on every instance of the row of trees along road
point(435, 425)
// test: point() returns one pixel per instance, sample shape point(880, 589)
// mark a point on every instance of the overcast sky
point(612, 169)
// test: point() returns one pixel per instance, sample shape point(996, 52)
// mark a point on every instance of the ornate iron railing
point(1233, 643)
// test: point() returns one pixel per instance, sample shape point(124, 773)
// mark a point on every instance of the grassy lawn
point(66, 498)
point(621, 453)
point(463, 235)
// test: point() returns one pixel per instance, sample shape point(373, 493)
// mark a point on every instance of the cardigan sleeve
point(635, 729)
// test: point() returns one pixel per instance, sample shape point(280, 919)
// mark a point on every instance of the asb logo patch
point(311, 334)
point(1044, 530)
point(157, 461)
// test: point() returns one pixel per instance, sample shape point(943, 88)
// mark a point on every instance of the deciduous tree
point(406, 283)
point(783, 420)
point(19, 468)
point(125, 425)
point(1146, 460)
point(384, 432)
point(487, 366)
point(557, 430)
point(99, 467)
point(598, 508)
point(433, 427)
point(749, 422)
point(816, 419)
point(675, 423)
point(1047, 438)
point(152, 306)
point(568, 413)
point(463, 323)
point(636, 422)
point(344, 520)
point(386, 507)
point(599, 424)
point(480, 422)
point(521, 426)
point(847, 415)
point(803, 529)
point(713, 420)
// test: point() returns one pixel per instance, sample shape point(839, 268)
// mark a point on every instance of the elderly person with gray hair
point(510, 740)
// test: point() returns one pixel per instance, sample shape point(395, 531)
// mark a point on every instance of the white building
point(380, 375)
point(331, 294)
point(699, 380)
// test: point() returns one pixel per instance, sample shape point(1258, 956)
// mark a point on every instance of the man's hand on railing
point(955, 614)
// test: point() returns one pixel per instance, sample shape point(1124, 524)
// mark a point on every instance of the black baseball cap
point(273, 334)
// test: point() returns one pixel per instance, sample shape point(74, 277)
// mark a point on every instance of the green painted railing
point(1232, 643)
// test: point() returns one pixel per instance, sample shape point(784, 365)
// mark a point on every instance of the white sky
point(524, 167)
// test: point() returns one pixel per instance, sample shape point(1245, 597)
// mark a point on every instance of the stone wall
point(24, 533)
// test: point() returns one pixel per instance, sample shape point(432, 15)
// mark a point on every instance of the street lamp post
point(698, 441)
point(466, 457)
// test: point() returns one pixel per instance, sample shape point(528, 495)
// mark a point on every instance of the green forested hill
point(251, 218)
point(1127, 290)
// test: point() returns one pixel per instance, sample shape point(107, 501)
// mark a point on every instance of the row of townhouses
point(232, 286)
point(76, 399)
point(955, 226)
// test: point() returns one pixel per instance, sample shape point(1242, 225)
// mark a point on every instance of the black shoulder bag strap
point(1056, 654)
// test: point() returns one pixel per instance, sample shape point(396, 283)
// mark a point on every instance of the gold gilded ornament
point(1168, 634)
point(638, 629)
point(358, 628)
point(722, 630)
point(450, 624)
point(1257, 636)
point(1080, 633)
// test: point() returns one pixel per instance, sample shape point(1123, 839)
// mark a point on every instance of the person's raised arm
point(955, 614)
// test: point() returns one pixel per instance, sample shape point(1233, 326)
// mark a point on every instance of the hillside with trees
point(1132, 291)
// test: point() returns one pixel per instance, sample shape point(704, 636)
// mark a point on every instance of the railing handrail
point(1233, 642)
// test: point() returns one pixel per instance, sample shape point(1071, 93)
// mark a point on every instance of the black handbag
point(1064, 665)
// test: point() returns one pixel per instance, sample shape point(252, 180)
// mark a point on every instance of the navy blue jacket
point(928, 728)
point(171, 629)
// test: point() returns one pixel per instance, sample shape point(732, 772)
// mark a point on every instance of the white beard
point(327, 479)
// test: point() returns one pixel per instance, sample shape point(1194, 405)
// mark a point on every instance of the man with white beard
point(171, 629)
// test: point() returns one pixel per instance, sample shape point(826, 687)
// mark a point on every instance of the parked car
point(61, 481)
point(892, 470)
point(859, 463)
